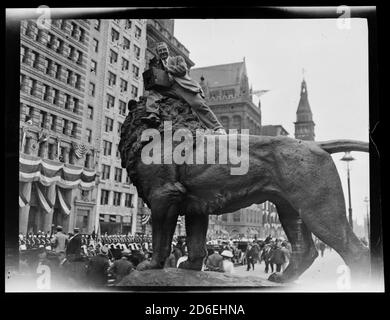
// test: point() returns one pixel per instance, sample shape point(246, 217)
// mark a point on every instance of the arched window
point(225, 121)
point(237, 123)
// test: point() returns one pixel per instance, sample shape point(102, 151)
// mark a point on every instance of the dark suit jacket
point(74, 245)
point(179, 72)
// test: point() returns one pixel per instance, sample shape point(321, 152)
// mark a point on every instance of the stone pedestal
point(171, 277)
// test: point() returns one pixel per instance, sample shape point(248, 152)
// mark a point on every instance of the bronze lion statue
point(299, 177)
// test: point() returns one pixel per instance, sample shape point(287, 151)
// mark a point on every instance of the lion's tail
point(334, 146)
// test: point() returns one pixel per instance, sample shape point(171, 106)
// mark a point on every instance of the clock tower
point(304, 126)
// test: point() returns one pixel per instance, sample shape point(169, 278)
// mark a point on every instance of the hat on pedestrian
point(227, 253)
point(104, 250)
point(126, 252)
point(59, 228)
point(76, 230)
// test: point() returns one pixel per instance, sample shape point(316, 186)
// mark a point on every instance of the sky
point(278, 53)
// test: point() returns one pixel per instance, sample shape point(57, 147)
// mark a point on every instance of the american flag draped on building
point(145, 217)
point(79, 149)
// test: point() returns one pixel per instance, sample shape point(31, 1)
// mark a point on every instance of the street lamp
point(348, 158)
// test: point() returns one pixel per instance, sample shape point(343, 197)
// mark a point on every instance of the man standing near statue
point(182, 87)
point(73, 250)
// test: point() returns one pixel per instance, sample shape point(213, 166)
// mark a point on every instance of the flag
point(79, 149)
point(28, 120)
point(42, 136)
point(145, 218)
point(259, 93)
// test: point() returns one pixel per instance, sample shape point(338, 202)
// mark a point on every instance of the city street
point(321, 276)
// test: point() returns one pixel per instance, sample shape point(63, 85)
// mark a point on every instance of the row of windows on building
point(54, 151)
point(50, 151)
point(116, 199)
point(51, 121)
point(54, 43)
point(125, 45)
point(112, 81)
point(51, 68)
point(110, 99)
point(115, 34)
point(107, 148)
point(121, 109)
point(221, 93)
point(70, 27)
point(113, 58)
point(118, 174)
point(49, 94)
point(252, 217)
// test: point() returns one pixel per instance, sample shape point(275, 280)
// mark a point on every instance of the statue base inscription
point(172, 277)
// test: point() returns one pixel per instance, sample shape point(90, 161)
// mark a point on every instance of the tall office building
point(57, 176)
point(76, 79)
point(117, 60)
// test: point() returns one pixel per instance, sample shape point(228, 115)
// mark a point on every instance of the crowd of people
point(83, 260)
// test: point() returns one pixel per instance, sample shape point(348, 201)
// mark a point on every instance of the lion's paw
point(277, 277)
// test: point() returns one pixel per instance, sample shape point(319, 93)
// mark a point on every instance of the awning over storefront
point(49, 172)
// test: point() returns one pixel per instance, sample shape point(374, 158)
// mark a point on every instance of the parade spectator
point(97, 269)
point(287, 254)
point(267, 256)
point(279, 257)
point(170, 262)
point(227, 264)
point(122, 267)
point(73, 249)
point(60, 240)
point(214, 261)
point(177, 252)
point(250, 257)
point(183, 258)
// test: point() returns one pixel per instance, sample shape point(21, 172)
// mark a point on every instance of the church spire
point(304, 126)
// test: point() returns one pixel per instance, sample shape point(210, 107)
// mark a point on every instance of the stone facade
point(76, 79)
point(117, 61)
point(53, 73)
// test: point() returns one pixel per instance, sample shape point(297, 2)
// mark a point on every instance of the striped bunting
point(45, 203)
point(22, 201)
point(64, 206)
point(48, 172)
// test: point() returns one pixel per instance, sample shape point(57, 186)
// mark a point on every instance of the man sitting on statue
point(183, 87)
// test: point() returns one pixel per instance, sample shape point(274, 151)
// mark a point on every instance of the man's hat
point(161, 44)
point(76, 230)
point(59, 228)
point(227, 253)
point(126, 252)
point(104, 250)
